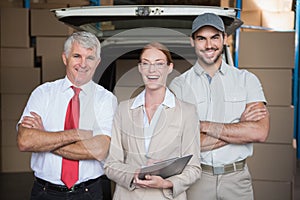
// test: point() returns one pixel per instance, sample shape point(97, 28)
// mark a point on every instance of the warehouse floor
point(17, 186)
point(297, 184)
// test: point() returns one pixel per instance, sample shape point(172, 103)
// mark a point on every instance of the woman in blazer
point(152, 127)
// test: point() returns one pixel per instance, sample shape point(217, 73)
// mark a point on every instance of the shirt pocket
point(235, 104)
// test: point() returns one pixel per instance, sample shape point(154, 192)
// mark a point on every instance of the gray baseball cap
point(208, 19)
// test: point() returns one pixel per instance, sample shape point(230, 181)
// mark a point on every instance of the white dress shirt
point(50, 100)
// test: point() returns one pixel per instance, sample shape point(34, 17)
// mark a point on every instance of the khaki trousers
point(235, 185)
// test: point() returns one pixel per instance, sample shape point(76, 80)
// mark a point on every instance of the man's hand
point(254, 112)
point(253, 126)
point(34, 121)
point(33, 137)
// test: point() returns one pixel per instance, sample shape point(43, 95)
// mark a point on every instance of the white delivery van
point(124, 29)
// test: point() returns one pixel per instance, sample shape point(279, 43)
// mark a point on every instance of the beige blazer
point(176, 134)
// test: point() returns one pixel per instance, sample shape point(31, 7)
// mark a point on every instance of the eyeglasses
point(157, 65)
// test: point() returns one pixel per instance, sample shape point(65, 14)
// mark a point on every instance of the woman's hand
point(152, 182)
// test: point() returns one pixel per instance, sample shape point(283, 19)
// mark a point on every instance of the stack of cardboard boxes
point(18, 79)
point(272, 14)
point(30, 54)
point(270, 55)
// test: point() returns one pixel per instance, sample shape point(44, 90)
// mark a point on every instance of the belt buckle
point(217, 170)
point(72, 189)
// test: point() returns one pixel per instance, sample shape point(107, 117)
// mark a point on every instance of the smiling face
point(154, 68)
point(208, 43)
point(81, 64)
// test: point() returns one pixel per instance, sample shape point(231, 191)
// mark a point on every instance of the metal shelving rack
point(237, 35)
point(296, 79)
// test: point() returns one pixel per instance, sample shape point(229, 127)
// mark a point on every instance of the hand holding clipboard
point(165, 168)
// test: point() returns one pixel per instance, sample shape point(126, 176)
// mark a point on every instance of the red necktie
point(69, 171)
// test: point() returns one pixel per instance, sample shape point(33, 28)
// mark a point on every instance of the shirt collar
point(169, 100)
point(86, 88)
point(224, 68)
point(199, 70)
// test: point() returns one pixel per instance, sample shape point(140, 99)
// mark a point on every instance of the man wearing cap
point(231, 110)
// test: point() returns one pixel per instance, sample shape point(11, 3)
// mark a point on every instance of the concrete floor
point(297, 183)
point(17, 186)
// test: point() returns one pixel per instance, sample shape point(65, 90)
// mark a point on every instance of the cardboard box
point(50, 50)
point(52, 69)
point(19, 80)
point(275, 190)
point(70, 2)
point(268, 5)
point(47, 6)
point(11, 3)
point(251, 18)
point(8, 133)
point(255, 29)
point(15, 161)
point(12, 106)
point(53, 4)
point(281, 124)
point(272, 50)
point(273, 162)
point(51, 47)
point(17, 57)
point(227, 3)
point(44, 23)
point(279, 21)
point(107, 2)
point(277, 85)
point(14, 27)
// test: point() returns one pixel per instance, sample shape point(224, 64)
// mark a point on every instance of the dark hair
point(160, 47)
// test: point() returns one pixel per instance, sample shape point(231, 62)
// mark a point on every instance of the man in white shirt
point(41, 129)
point(231, 110)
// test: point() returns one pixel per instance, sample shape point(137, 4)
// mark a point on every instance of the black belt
point(224, 169)
point(63, 188)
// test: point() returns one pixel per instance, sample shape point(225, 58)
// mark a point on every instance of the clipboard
point(165, 168)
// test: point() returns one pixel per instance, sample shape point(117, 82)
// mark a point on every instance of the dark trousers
point(98, 189)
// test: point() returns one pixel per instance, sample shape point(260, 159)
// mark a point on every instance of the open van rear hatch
point(125, 29)
point(138, 16)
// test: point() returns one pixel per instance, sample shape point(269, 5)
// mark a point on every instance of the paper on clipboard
point(166, 168)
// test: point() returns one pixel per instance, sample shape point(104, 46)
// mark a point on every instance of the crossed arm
point(253, 127)
point(72, 144)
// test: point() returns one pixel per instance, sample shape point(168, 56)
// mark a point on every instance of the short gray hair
point(85, 39)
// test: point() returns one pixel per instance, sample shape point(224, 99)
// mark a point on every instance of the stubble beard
point(210, 62)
